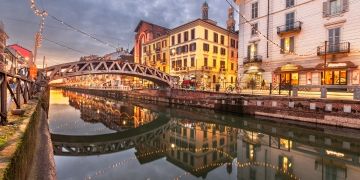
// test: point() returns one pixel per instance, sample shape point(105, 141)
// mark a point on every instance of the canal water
point(101, 138)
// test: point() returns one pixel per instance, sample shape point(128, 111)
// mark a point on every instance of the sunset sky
point(112, 21)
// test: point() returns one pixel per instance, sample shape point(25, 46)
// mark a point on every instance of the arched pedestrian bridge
point(80, 68)
point(72, 145)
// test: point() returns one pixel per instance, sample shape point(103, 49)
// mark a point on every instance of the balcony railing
point(255, 59)
point(339, 48)
point(288, 28)
point(222, 70)
point(206, 68)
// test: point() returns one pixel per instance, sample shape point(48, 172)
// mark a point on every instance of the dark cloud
point(111, 20)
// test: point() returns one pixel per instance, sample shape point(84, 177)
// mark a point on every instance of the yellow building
point(205, 53)
point(199, 52)
point(156, 53)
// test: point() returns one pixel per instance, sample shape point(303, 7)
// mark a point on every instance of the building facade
point(156, 53)
point(299, 42)
point(199, 52)
point(146, 32)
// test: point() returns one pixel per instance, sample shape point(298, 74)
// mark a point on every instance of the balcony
point(163, 62)
point(255, 59)
point(289, 28)
point(330, 49)
point(206, 68)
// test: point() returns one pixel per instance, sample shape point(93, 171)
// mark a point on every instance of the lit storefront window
point(285, 163)
point(335, 77)
point(285, 144)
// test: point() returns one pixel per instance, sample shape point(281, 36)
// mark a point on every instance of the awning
point(289, 68)
point(337, 65)
point(253, 70)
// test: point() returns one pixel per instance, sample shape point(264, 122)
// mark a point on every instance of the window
point(205, 160)
point(172, 52)
point(233, 43)
point(335, 7)
point(185, 62)
point(222, 39)
point(334, 40)
point(178, 50)
point(214, 63)
point(232, 54)
point(179, 38)
point(254, 10)
point(172, 40)
point(192, 34)
point(192, 62)
point(252, 51)
point(185, 48)
point(192, 47)
point(287, 45)
point(336, 77)
point(222, 51)
point(215, 49)
point(290, 3)
point(206, 47)
point(254, 29)
point(192, 133)
point(232, 67)
point(185, 157)
point(290, 20)
point(222, 64)
point(205, 62)
point(186, 36)
point(216, 38)
point(172, 64)
point(206, 34)
point(164, 57)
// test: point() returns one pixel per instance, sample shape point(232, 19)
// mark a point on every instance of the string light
point(42, 14)
point(311, 53)
point(83, 32)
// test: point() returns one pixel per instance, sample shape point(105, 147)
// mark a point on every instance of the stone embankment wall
point(33, 158)
point(343, 113)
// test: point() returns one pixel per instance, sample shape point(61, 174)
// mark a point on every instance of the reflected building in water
point(294, 155)
point(208, 145)
point(115, 115)
point(200, 141)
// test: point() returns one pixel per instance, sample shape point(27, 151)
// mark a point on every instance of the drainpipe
point(267, 29)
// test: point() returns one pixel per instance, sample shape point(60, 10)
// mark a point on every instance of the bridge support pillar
point(3, 98)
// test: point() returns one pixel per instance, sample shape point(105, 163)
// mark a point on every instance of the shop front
point(288, 74)
point(342, 73)
point(253, 76)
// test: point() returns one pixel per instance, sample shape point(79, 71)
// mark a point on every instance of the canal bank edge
point(33, 156)
point(340, 113)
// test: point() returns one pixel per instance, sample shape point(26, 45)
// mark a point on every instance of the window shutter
point(325, 9)
point(292, 44)
point(282, 46)
point(345, 5)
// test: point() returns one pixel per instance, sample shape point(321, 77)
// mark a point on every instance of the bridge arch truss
point(80, 68)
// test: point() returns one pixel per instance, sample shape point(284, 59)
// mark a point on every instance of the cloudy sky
point(112, 21)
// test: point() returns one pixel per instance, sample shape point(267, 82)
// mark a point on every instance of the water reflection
point(152, 141)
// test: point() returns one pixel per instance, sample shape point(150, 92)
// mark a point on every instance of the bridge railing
point(15, 89)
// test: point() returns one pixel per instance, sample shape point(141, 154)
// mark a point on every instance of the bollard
point(323, 92)
point(295, 91)
point(356, 93)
